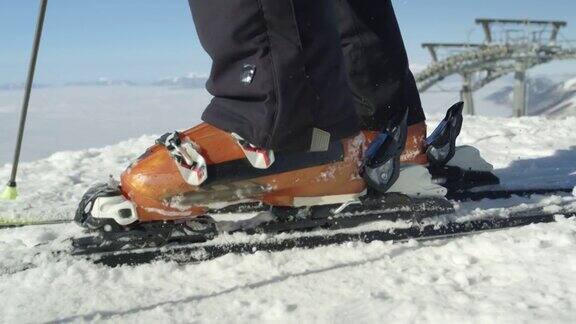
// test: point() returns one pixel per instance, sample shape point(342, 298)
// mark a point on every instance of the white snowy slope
point(517, 275)
point(566, 106)
point(526, 151)
point(523, 275)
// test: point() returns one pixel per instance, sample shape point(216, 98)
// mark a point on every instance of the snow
point(570, 84)
point(517, 275)
point(521, 275)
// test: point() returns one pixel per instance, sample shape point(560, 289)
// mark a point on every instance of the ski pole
point(10, 193)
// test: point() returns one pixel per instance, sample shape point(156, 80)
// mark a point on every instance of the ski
point(389, 207)
point(196, 248)
point(190, 253)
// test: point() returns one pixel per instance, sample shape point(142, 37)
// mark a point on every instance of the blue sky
point(145, 40)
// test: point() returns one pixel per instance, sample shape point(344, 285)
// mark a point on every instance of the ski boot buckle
point(190, 162)
point(259, 158)
point(381, 165)
point(441, 144)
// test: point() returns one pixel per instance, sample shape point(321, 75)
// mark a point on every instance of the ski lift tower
point(522, 63)
point(467, 85)
point(510, 46)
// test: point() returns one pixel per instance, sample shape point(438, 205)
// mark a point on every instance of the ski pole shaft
point(28, 89)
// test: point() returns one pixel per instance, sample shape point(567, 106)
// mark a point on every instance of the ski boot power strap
point(190, 162)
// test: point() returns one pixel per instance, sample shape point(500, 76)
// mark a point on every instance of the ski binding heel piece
point(259, 158)
point(381, 165)
point(416, 181)
point(190, 162)
point(441, 144)
point(468, 158)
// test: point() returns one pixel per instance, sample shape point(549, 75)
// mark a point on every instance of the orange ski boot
point(159, 187)
point(189, 174)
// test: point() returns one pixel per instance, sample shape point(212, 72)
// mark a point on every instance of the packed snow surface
point(520, 275)
point(516, 275)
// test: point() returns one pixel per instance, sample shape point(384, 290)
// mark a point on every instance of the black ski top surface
point(190, 253)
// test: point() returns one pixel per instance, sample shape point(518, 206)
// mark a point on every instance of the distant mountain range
point(18, 86)
point(545, 97)
point(190, 81)
point(182, 82)
point(102, 82)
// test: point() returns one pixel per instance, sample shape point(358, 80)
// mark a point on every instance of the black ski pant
point(284, 67)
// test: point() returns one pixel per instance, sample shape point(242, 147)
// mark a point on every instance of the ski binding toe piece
point(104, 207)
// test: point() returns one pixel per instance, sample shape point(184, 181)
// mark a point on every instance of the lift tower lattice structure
point(519, 45)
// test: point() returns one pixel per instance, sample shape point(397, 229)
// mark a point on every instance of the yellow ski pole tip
point(10, 193)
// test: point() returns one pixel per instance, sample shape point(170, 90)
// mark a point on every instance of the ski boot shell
point(415, 147)
point(159, 192)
